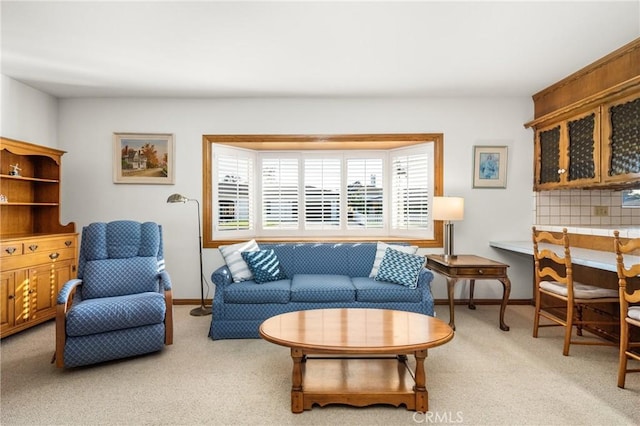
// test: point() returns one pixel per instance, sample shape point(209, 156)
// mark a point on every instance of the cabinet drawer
point(48, 245)
point(10, 249)
point(28, 260)
point(480, 271)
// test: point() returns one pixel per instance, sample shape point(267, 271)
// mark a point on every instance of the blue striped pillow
point(265, 266)
point(400, 268)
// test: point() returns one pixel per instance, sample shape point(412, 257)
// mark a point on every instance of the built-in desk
point(594, 267)
point(597, 259)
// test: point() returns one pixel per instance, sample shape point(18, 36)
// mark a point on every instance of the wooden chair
point(554, 278)
point(629, 315)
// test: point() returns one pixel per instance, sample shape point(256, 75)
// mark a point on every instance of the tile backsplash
point(583, 208)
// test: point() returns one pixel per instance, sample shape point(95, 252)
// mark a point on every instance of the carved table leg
point(506, 283)
point(420, 389)
point(297, 397)
point(451, 283)
point(472, 284)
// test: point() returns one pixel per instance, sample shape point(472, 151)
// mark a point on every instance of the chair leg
point(624, 347)
point(579, 325)
point(568, 330)
point(536, 317)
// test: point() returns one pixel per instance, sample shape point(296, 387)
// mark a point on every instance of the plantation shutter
point(233, 190)
point(410, 186)
point(322, 182)
point(280, 194)
point(365, 193)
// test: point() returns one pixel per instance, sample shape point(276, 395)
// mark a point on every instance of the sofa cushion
point(233, 258)
point(370, 290)
point(400, 268)
point(322, 288)
point(381, 248)
point(264, 265)
point(92, 316)
point(252, 292)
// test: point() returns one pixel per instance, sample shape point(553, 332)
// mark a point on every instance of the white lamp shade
point(448, 208)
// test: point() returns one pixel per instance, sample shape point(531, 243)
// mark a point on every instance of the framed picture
point(146, 158)
point(489, 166)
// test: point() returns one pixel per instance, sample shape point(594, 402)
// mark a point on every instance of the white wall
point(86, 127)
point(28, 114)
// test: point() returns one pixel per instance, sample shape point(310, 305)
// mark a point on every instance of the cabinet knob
point(31, 291)
point(68, 243)
point(480, 271)
point(11, 296)
point(33, 247)
point(10, 250)
point(561, 171)
point(54, 256)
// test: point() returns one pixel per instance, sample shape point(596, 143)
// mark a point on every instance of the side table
point(470, 267)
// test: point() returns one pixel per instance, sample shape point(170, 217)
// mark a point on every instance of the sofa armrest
point(424, 279)
point(221, 277)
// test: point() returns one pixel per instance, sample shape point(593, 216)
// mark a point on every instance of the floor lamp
point(448, 209)
point(202, 309)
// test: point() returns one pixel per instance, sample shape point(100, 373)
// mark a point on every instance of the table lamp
point(448, 209)
point(202, 309)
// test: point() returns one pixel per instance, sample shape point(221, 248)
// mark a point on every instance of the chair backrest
point(119, 258)
point(623, 251)
point(547, 263)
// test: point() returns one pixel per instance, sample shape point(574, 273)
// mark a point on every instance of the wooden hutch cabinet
point(586, 126)
point(37, 254)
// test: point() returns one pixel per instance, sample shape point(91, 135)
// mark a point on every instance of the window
point(338, 188)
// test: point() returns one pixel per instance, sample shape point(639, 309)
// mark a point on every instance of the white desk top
point(592, 258)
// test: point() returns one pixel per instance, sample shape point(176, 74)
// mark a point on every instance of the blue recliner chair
point(121, 303)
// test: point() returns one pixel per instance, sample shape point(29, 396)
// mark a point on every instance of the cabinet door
point(548, 165)
point(7, 300)
point(621, 140)
point(45, 283)
point(582, 149)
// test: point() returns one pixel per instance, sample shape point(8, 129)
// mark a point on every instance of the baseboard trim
point(485, 302)
point(437, 302)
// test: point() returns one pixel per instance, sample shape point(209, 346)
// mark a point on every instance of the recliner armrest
point(67, 291)
point(165, 280)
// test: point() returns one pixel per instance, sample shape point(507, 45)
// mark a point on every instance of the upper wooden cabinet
point(587, 126)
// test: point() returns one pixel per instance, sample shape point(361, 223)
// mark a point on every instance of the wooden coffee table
point(364, 358)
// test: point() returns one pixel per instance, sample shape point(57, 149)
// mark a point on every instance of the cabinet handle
point(480, 271)
point(33, 247)
point(10, 250)
point(31, 291)
point(68, 243)
point(561, 171)
point(54, 256)
point(11, 296)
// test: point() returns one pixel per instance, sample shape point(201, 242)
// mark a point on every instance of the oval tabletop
point(356, 330)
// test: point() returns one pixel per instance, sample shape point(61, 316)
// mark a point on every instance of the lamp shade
point(448, 208)
point(177, 198)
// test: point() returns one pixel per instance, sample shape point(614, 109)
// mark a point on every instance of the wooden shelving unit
point(38, 254)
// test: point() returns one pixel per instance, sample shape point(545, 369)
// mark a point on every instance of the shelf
point(31, 179)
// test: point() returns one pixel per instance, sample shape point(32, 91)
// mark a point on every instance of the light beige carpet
point(483, 376)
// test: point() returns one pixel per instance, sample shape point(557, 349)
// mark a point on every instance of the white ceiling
point(307, 49)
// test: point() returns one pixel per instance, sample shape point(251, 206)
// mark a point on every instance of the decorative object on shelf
point(143, 158)
point(489, 166)
point(15, 170)
point(448, 209)
point(3, 198)
point(202, 309)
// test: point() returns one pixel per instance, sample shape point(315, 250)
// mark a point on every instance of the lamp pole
point(202, 309)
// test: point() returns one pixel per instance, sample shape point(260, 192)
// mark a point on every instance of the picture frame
point(489, 166)
point(143, 158)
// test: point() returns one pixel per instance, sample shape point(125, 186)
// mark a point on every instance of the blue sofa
point(320, 275)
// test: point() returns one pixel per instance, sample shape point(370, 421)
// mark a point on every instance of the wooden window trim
point(320, 142)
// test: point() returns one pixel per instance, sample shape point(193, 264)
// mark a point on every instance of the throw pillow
point(381, 248)
point(236, 264)
point(265, 266)
point(400, 268)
